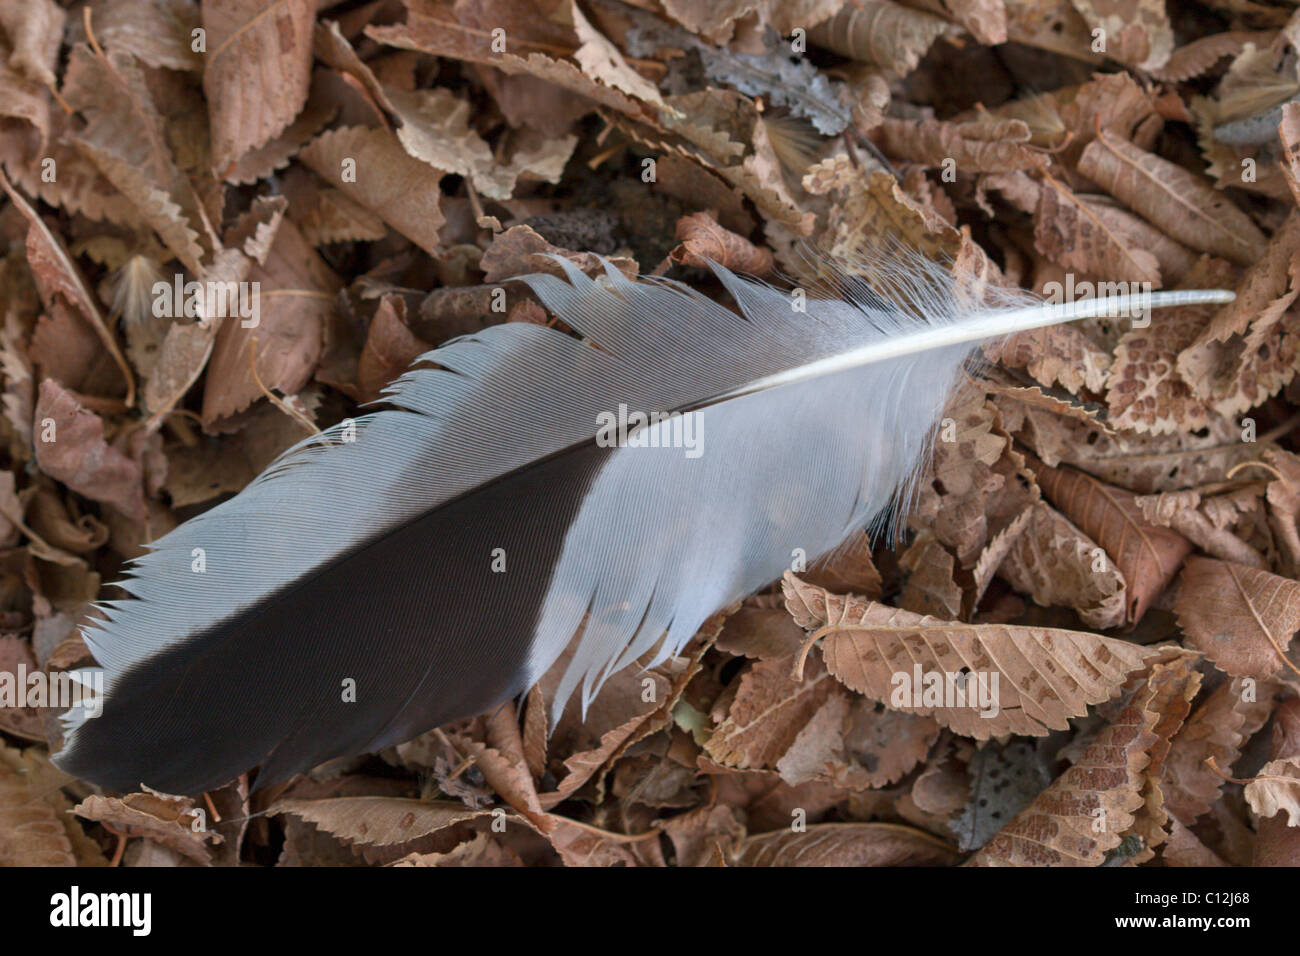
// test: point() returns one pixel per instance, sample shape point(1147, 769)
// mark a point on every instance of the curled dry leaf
point(702, 239)
point(1241, 618)
point(768, 712)
point(856, 744)
point(1179, 202)
point(1079, 235)
point(295, 294)
point(1195, 58)
point(1055, 354)
point(31, 833)
point(980, 146)
point(845, 844)
point(1086, 812)
point(1145, 391)
point(173, 822)
point(372, 168)
point(1060, 566)
point(1137, 33)
point(256, 72)
point(1148, 556)
point(1277, 788)
point(1279, 837)
point(886, 34)
point(931, 585)
point(1210, 522)
point(380, 821)
point(72, 449)
point(1218, 729)
point(1025, 680)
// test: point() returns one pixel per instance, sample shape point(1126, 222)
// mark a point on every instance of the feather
point(430, 560)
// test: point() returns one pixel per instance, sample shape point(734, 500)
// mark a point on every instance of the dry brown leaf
point(979, 146)
point(1145, 392)
point(768, 712)
point(1140, 463)
point(1241, 618)
point(1210, 522)
point(1184, 848)
point(1276, 788)
point(1179, 202)
point(174, 822)
point(1051, 25)
point(1085, 812)
point(845, 844)
point(1148, 556)
point(1060, 566)
point(971, 466)
point(1196, 57)
point(15, 659)
point(256, 71)
point(381, 821)
point(856, 744)
point(520, 250)
point(1279, 840)
point(886, 34)
point(155, 32)
point(296, 293)
point(1248, 353)
point(70, 448)
point(482, 850)
point(462, 33)
point(371, 167)
point(848, 568)
point(703, 240)
point(1218, 729)
point(581, 844)
point(931, 586)
point(1072, 231)
point(31, 833)
point(763, 633)
point(390, 348)
point(631, 706)
point(1056, 353)
point(700, 834)
point(126, 138)
point(186, 348)
point(1136, 32)
point(1034, 678)
point(57, 274)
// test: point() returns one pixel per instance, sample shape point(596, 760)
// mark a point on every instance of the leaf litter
point(1107, 533)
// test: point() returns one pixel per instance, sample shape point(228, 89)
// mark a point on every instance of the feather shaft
point(992, 326)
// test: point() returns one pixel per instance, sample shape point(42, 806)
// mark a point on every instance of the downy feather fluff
point(375, 563)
